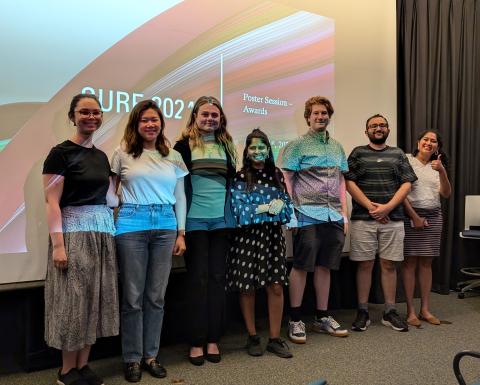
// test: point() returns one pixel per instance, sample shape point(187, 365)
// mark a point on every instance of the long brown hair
point(132, 140)
point(222, 136)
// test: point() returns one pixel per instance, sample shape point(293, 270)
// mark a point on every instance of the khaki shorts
point(367, 238)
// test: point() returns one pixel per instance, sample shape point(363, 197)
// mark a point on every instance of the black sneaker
point(133, 372)
point(393, 320)
point(90, 376)
point(155, 369)
point(72, 377)
point(279, 347)
point(254, 346)
point(362, 322)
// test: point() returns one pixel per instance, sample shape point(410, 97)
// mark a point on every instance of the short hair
point(375, 116)
point(317, 100)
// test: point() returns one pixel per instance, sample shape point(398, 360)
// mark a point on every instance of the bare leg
point(409, 267)
point(364, 280)
point(321, 282)
point(69, 360)
point(298, 278)
point(82, 357)
point(275, 308)
point(247, 305)
point(389, 280)
point(212, 348)
point(425, 281)
point(196, 351)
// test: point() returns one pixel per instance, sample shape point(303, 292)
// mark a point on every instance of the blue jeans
point(145, 259)
point(132, 217)
point(206, 224)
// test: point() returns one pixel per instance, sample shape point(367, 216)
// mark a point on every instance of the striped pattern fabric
point(379, 174)
point(426, 242)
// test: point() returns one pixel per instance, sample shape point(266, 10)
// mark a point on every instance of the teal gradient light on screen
point(69, 35)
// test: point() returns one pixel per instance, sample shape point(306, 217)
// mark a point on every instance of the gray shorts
point(369, 237)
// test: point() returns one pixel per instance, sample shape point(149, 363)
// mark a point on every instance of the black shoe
point(155, 369)
point(197, 361)
point(254, 346)
point(279, 347)
point(133, 372)
point(214, 358)
point(90, 376)
point(72, 377)
point(393, 320)
point(362, 322)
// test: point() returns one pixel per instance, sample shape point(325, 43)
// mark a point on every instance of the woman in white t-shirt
point(423, 226)
point(150, 228)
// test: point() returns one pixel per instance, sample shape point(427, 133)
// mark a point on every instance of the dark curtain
point(439, 87)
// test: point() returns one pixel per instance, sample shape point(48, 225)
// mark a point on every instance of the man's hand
point(380, 211)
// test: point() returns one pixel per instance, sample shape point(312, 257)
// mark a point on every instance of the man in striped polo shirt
point(378, 180)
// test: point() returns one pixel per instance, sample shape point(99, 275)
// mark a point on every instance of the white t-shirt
point(425, 190)
point(149, 179)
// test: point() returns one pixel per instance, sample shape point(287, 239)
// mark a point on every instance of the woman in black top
point(81, 299)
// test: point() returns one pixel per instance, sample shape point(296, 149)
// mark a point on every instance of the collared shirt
point(317, 162)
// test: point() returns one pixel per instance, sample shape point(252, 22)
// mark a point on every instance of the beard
point(376, 140)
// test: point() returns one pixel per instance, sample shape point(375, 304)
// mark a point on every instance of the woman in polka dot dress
point(257, 257)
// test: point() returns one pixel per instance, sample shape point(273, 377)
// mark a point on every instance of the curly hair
point(317, 100)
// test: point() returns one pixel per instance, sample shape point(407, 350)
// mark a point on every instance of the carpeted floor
point(379, 356)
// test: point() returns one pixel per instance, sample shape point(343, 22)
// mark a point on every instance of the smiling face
point(87, 116)
point(377, 130)
point(149, 126)
point(319, 118)
point(207, 118)
point(428, 144)
point(257, 152)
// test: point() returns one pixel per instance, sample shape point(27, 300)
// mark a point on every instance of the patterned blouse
point(244, 203)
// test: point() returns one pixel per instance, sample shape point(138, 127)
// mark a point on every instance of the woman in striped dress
point(423, 227)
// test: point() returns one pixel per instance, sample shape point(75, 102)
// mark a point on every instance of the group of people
point(190, 200)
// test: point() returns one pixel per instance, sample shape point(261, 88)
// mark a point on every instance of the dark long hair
point(434, 156)
point(131, 138)
point(269, 168)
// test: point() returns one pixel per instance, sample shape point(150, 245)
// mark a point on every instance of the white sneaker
point(330, 326)
point(296, 332)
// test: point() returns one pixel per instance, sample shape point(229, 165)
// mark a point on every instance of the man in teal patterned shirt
point(314, 165)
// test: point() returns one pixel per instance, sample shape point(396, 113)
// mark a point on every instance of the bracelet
point(180, 233)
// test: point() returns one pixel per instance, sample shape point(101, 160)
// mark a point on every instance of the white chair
point(471, 231)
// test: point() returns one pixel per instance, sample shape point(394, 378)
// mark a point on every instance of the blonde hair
point(222, 136)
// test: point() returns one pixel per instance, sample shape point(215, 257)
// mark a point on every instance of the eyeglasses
point(381, 125)
point(87, 113)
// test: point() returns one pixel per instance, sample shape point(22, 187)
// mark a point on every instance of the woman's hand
point(276, 205)
point(180, 246)
point(419, 223)
point(59, 257)
point(437, 165)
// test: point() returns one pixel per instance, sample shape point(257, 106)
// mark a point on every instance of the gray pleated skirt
point(81, 302)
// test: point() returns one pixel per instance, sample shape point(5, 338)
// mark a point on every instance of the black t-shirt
point(86, 171)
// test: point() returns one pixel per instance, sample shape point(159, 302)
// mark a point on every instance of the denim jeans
point(145, 259)
point(132, 217)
